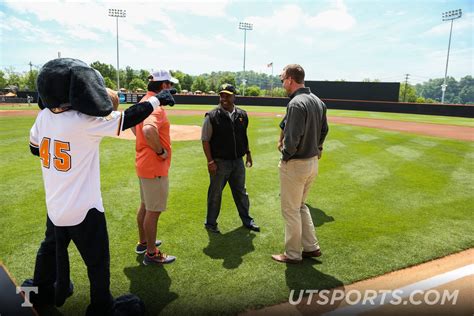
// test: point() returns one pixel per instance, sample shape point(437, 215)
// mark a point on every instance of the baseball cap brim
point(225, 91)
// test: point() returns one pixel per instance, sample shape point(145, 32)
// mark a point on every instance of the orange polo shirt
point(148, 164)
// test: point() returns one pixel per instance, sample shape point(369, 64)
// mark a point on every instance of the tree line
point(257, 84)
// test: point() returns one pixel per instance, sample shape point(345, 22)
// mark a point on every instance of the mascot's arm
point(140, 111)
point(34, 141)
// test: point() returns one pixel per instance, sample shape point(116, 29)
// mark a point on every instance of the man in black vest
point(225, 142)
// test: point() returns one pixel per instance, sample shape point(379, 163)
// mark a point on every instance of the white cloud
point(85, 21)
point(80, 32)
point(283, 20)
point(290, 17)
point(198, 8)
point(221, 39)
point(29, 32)
point(337, 20)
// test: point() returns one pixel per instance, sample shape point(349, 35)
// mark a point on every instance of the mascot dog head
point(68, 82)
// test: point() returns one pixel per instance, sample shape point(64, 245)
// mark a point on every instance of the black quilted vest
point(229, 137)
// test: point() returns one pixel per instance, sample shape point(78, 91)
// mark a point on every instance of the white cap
point(163, 75)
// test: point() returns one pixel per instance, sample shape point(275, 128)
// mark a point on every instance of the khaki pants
point(296, 177)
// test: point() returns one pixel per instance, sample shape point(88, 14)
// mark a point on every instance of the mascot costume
point(76, 113)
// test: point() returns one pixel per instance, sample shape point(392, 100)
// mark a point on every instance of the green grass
point(18, 106)
point(383, 201)
point(448, 120)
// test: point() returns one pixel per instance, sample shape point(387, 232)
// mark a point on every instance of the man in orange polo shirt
point(153, 159)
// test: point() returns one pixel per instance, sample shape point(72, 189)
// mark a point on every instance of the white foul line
point(406, 291)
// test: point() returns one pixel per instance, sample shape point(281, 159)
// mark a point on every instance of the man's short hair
point(295, 71)
point(155, 86)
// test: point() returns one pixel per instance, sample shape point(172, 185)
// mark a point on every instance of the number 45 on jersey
point(61, 159)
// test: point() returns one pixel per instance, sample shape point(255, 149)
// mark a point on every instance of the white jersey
point(68, 145)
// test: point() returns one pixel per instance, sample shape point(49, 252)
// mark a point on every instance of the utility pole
point(31, 65)
point(406, 85)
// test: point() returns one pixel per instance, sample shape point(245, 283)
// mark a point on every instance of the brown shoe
point(311, 254)
point(283, 258)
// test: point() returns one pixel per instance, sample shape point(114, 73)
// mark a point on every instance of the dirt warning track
point(440, 287)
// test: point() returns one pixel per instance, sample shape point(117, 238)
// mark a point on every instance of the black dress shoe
point(253, 227)
point(213, 229)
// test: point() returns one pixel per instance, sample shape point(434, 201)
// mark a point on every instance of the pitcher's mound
point(177, 133)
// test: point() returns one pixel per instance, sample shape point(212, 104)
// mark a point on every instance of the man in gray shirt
point(304, 129)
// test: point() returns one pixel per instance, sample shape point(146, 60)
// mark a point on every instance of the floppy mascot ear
point(87, 92)
point(53, 82)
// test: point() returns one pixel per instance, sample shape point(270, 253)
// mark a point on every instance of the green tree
point(143, 74)
point(14, 78)
point(432, 89)
point(253, 91)
point(137, 83)
point(367, 80)
point(199, 84)
point(187, 82)
point(3, 80)
point(410, 93)
point(279, 92)
point(109, 83)
point(227, 78)
point(107, 71)
point(212, 84)
point(466, 93)
point(178, 75)
point(30, 80)
point(129, 76)
point(265, 93)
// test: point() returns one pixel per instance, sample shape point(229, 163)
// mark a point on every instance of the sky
point(331, 39)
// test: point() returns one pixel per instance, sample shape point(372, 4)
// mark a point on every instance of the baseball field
point(385, 199)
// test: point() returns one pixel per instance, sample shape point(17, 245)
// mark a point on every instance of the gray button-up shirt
point(304, 126)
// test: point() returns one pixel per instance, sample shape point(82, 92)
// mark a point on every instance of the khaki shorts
point(154, 193)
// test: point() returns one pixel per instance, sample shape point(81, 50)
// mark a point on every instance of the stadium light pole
point(117, 13)
point(449, 16)
point(246, 27)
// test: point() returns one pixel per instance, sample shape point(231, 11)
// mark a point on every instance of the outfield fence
point(458, 110)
